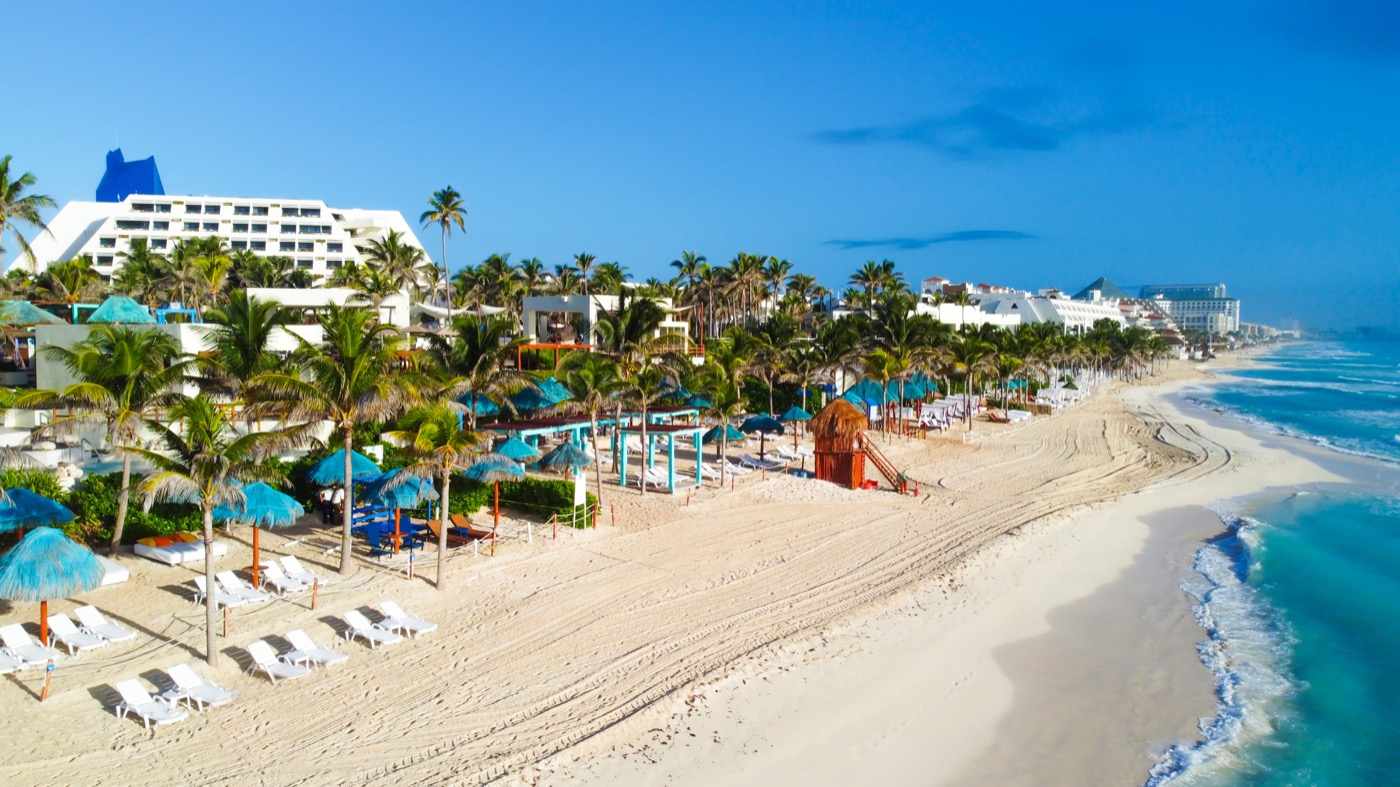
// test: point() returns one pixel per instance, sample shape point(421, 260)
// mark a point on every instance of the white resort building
point(316, 237)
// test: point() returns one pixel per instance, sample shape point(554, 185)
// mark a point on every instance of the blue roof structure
point(124, 178)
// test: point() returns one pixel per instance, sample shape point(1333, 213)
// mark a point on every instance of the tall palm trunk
point(442, 526)
point(123, 502)
point(210, 601)
point(723, 451)
point(447, 279)
point(598, 466)
point(646, 449)
point(347, 504)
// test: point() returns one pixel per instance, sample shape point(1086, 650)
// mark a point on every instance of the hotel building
point(316, 237)
point(1203, 308)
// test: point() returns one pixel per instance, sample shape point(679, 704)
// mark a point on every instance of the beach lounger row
point(187, 686)
point(286, 575)
point(21, 650)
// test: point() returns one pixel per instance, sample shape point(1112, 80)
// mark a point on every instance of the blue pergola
point(670, 431)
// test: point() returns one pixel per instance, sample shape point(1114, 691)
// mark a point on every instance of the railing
point(884, 465)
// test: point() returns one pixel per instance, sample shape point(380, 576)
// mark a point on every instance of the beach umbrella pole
point(256, 550)
point(44, 623)
point(495, 514)
point(397, 537)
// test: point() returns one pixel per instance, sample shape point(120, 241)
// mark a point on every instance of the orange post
point(256, 550)
point(315, 586)
point(397, 537)
point(44, 623)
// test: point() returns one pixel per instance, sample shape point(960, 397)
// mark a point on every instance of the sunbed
point(300, 573)
point(272, 665)
point(461, 526)
point(150, 710)
point(239, 589)
point(98, 624)
point(222, 598)
point(359, 626)
point(9, 662)
point(272, 574)
point(194, 690)
point(24, 646)
point(175, 550)
point(62, 630)
point(751, 461)
point(306, 651)
point(395, 619)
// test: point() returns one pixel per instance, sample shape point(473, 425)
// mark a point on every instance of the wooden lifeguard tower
point(839, 433)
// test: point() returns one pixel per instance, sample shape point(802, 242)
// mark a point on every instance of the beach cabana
point(122, 310)
point(21, 508)
point(838, 431)
point(671, 432)
point(262, 506)
point(46, 565)
point(764, 425)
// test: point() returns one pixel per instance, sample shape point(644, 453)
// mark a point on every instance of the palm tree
point(142, 273)
point(125, 378)
point(350, 378)
point(642, 388)
point(583, 262)
point(803, 365)
point(869, 278)
point(726, 365)
point(398, 261)
point(205, 462)
point(973, 356)
point(608, 278)
point(70, 281)
point(479, 354)
point(594, 381)
point(18, 207)
point(437, 444)
point(566, 280)
point(445, 208)
point(238, 345)
point(532, 275)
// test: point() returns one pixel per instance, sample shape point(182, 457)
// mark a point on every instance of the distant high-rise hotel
point(1197, 307)
point(316, 237)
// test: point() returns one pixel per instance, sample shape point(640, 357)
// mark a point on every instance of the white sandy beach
point(801, 632)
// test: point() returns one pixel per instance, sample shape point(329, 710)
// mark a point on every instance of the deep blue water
point(1300, 599)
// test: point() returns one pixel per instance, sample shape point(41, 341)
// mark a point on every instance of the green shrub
point(94, 502)
point(37, 480)
point(540, 496)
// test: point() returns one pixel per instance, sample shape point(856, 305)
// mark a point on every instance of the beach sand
point(991, 630)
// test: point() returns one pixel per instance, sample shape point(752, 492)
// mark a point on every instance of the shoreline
point(963, 689)
point(553, 656)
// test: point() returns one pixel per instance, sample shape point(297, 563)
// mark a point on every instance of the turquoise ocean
point(1300, 597)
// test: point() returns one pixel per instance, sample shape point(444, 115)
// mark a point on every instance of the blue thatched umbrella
point(45, 565)
point(263, 506)
point(20, 508)
point(699, 401)
point(518, 450)
point(123, 310)
point(331, 470)
point(765, 425)
point(796, 414)
point(714, 435)
point(493, 469)
point(479, 404)
point(25, 313)
point(567, 458)
point(397, 490)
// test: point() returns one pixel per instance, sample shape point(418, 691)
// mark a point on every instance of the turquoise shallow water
point(1300, 599)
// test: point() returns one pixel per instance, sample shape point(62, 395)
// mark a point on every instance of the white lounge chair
point(222, 598)
point(753, 462)
point(373, 633)
point(237, 588)
point(736, 468)
point(150, 710)
point(98, 624)
point(274, 666)
point(194, 690)
point(308, 652)
point(61, 629)
point(395, 619)
point(9, 662)
point(26, 647)
point(272, 574)
point(295, 570)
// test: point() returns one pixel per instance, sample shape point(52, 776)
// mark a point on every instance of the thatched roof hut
point(838, 426)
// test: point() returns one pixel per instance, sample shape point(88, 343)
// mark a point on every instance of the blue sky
point(1035, 144)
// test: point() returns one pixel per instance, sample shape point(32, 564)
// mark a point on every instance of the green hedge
point(39, 481)
point(542, 496)
point(94, 502)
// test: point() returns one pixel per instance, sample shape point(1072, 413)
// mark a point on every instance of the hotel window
point(333, 247)
point(241, 210)
point(333, 264)
point(211, 226)
point(162, 208)
point(259, 245)
point(160, 225)
point(107, 243)
point(105, 259)
point(212, 210)
point(288, 229)
point(304, 264)
point(306, 246)
point(191, 226)
point(287, 245)
point(311, 213)
point(259, 210)
point(239, 244)
point(132, 224)
point(193, 209)
point(310, 229)
point(157, 243)
point(143, 207)
point(290, 211)
point(240, 228)
point(259, 228)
